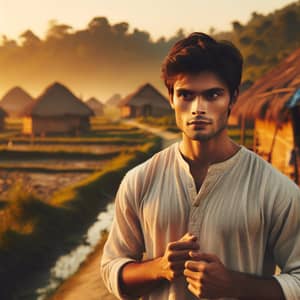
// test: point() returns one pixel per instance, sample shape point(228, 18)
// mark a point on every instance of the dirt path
point(86, 283)
point(168, 137)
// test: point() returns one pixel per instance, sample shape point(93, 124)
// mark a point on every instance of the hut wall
point(2, 123)
point(144, 111)
point(99, 111)
point(233, 120)
point(126, 112)
point(27, 126)
point(66, 124)
point(281, 154)
point(160, 112)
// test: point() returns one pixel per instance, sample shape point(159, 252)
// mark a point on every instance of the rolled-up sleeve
point(285, 242)
point(125, 242)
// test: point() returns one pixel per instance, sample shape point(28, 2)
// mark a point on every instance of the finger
point(176, 255)
point(197, 276)
point(188, 236)
point(194, 290)
point(197, 266)
point(195, 283)
point(184, 245)
point(208, 257)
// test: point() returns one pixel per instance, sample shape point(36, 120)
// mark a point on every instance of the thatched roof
point(268, 97)
point(57, 100)
point(94, 103)
point(15, 100)
point(3, 113)
point(146, 94)
point(114, 100)
point(96, 106)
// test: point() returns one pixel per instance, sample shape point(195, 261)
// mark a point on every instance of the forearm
point(140, 278)
point(251, 287)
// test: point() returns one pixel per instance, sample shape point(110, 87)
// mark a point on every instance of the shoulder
point(154, 164)
point(139, 178)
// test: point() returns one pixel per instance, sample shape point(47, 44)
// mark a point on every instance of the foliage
point(101, 50)
point(266, 39)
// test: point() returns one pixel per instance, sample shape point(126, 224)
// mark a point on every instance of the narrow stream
point(68, 264)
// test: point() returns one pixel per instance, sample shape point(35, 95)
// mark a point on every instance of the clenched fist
point(176, 254)
point(207, 277)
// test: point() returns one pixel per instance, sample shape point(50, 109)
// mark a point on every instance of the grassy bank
point(32, 233)
point(59, 154)
point(128, 139)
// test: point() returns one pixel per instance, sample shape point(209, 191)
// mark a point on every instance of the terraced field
point(45, 165)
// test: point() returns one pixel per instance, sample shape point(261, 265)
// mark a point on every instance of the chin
point(200, 137)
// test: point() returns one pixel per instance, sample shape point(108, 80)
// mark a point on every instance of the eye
point(213, 94)
point(185, 95)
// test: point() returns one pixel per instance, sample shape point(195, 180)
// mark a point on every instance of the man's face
point(201, 103)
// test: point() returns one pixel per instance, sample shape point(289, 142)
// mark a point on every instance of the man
point(204, 218)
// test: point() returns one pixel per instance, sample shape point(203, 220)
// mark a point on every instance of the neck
point(204, 153)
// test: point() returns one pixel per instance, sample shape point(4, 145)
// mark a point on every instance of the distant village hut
point(114, 100)
point(96, 106)
point(57, 110)
point(15, 101)
point(3, 115)
point(145, 101)
point(273, 102)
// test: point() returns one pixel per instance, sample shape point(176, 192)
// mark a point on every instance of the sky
point(158, 17)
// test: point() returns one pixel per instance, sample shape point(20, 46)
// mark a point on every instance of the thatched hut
point(15, 101)
point(96, 106)
point(114, 100)
point(57, 110)
point(3, 115)
point(145, 101)
point(273, 102)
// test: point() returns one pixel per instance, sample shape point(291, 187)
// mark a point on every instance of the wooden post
point(295, 124)
point(242, 135)
point(273, 143)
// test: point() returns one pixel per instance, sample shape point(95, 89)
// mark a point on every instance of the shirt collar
point(215, 168)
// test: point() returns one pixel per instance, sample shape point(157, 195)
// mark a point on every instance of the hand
point(207, 277)
point(176, 254)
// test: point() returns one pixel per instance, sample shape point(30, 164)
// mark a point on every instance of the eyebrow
point(213, 89)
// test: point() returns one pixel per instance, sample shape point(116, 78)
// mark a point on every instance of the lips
point(198, 122)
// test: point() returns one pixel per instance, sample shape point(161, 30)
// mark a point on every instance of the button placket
point(193, 228)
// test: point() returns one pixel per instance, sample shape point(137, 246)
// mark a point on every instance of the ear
point(171, 100)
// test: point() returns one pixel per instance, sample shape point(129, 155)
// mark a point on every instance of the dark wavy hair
point(199, 52)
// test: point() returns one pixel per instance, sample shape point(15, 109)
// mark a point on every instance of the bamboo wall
point(283, 144)
point(45, 125)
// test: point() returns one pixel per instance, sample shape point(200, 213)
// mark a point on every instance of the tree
point(57, 31)
point(237, 26)
point(121, 28)
point(29, 39)
point(7, 43)
point(99, 23)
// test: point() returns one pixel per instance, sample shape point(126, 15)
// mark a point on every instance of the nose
point(199, 106)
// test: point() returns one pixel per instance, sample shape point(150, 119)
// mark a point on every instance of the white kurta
point(246, 212)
